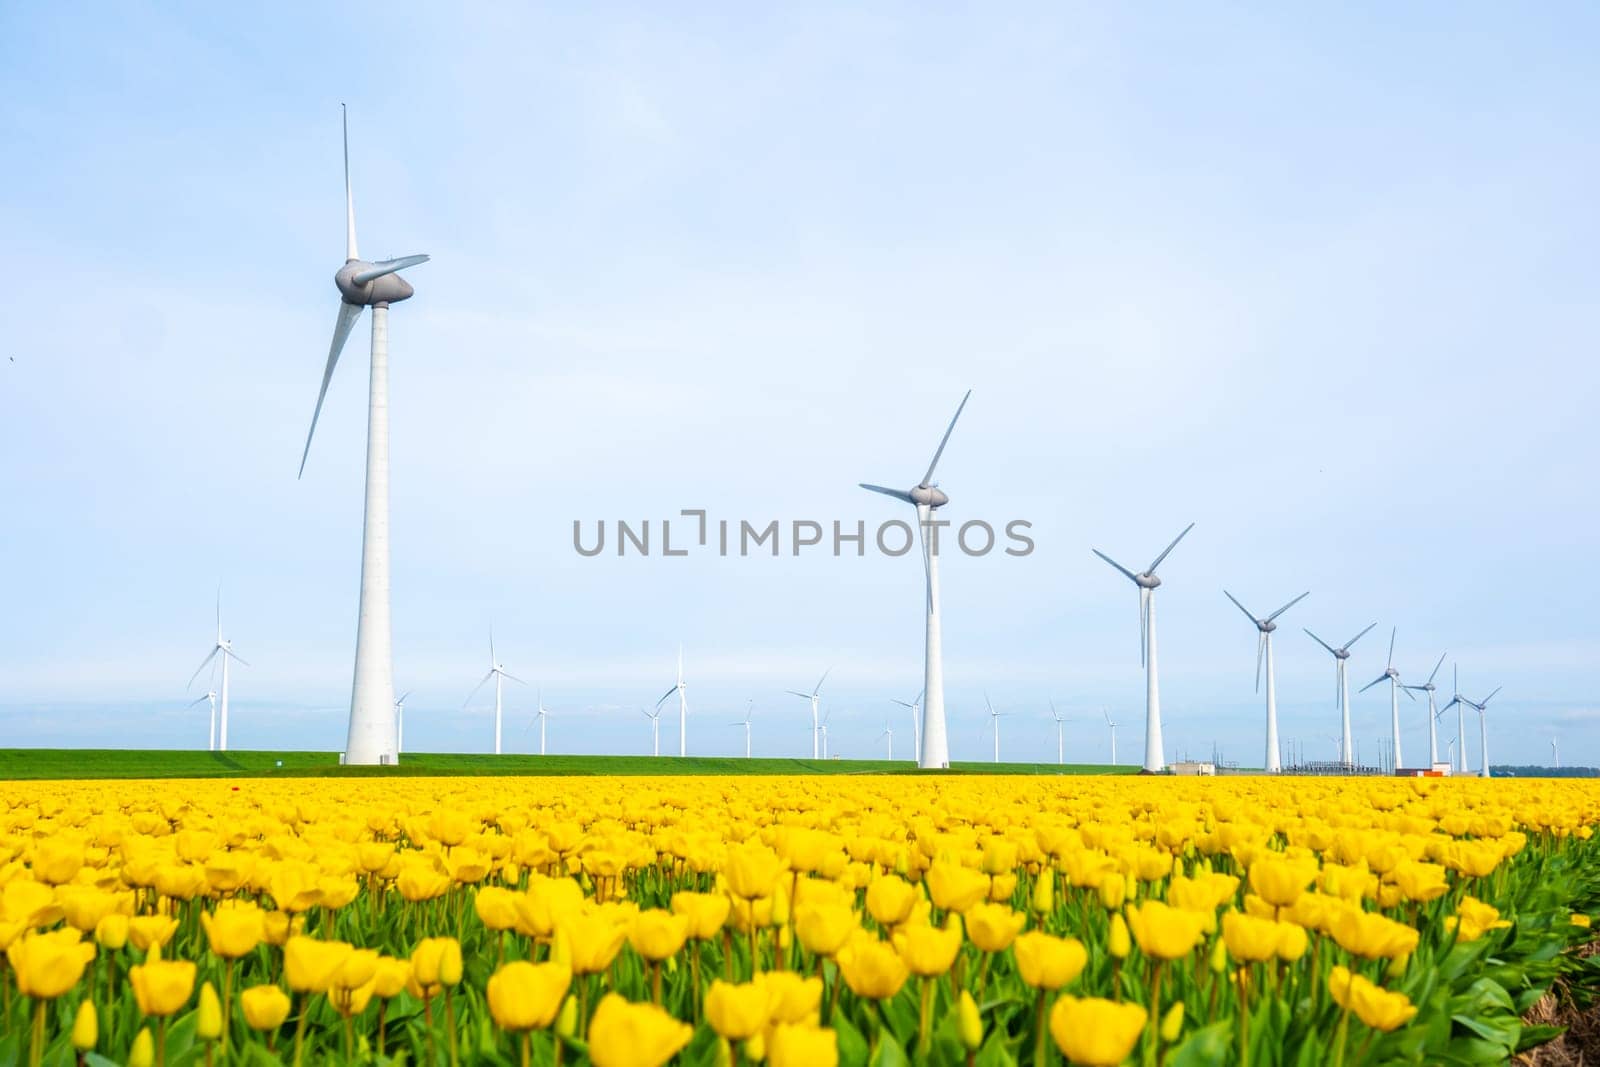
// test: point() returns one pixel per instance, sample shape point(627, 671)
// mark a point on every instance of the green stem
point(1154, 1033)
point(36, 1046)
point(925, 1017)
point(161, 1041)
point(524, 1044)
point(450, 1023)
point(300, 1030)
point(1244, 1017)
point(1339, 1038)
point(1038, 1028)
point(227, 1005)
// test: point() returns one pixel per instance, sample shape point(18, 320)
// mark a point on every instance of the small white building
point(1193, 768)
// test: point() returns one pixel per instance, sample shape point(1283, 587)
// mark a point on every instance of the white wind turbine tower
point(1155, 758)
point(400, 722)
point(1264, 628)
point(540, 717)
point(927, 497)
point(1113, 726)
point(683, 708)
point(655, 729)
point(1555, 753)
point(749, 713)
point(373, 736)
point(1395, 689)
point(1061, 741)
point(498, 672)
point(210, 695)
point(916, 721)
point(224, 648)
point(993, 723)
point(1433, 715)
point(1341, 658)
point(888, 731)
point(825, 719)
point(815, 696)
point(1483, 731)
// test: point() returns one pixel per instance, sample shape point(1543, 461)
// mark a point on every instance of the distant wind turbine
point(540, 717)
point(1264, 628)
point(927, 497)
point(749, 713)
point(683, 708)
point(994, 723)
point(363, 284)
point(888, 731)
point(916, 722)
point(224, 648)
point(655, 729)
point(1155, 758)
point(1433, 714)
point(1113, 726)
point(815, 696)
point(825, 719)
point(1341, 658)
point(1393, 677)
point(209, 695)
point(498, 672)
point(1061, 743)
point(1555, 753)
point(1483, 731)
point(400, 723)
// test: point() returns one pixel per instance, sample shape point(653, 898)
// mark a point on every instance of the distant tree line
point(1500, 771)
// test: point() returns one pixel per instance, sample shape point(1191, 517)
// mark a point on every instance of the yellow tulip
point(421, 880)
point(162, 987)
point(1163, 932)
point(57, 860)
point(496, 907)
point(794, 1045)
point(1043, 898)
point(232, 932)
point(527, 996)
point(1279, 880)
point(752, 870)
point(992, 927)
point(1372, 936)
point(706, 912)
point(143, 1052)
point(265, 1007)
point(622, 1034)
point(872, 969)
point(84, 906)
point(594, 938)
point(823, 928)
point(1373, 1005)
point(85, 1028)
point(1047, 962)
point(112, 932)
point(795, 999)
point(889, 900)
point(1095, 1032)
point(969, 1023)
point(657, 933)
point(390, 976)
point(928, 950)
point(47, 965)
point(737, 1012)
point(309, 965)
point(208, 1020)
point(145, 931)
point(954, 887)
point(1118, 942)
point(1249, 939)
point(1172, 1023)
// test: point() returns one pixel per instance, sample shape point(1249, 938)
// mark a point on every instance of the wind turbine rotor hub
point(931, 495)
point(388, 289)
point(1343, 653)
point(1147, 581)
point(1267, 627)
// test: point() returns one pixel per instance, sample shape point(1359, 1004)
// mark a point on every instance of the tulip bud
point(1120, 942)
point(755, 1048)
point(723, 1054)
point(1219, 957)
point(208, 1027)
point(1397, 966)
point(143, 1052)
point(969, 1024)
point(85, 1028)
point(567, 1021)
point(450, 962)
point(1043, 899)
point(1112, 889)
point(561, 947)
point(780, 906)
point(1131, 886)
point(112, 932)
point(1172, 1023)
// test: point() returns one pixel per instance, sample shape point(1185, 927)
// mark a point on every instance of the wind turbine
point(888, 731)
point(1061, 743)
point(745, 722)
point(1154, 753)
point(994, 722)
point(1452, 751)
point(541, 716)
point(655, 729)
point(825, 719)
point(683, 708)
point(498, 672)
point(1341, 658)
point(210, 695)
point(1394, 702)
point(1433, 715)
point(815, 697)
point(1264, 628)
point(1483, 731)
point(927, 497)
point(373, 736)
point(1555, 753)
point(400, 722)
point(224, 648)
point(1113, 726)
point(916, 721)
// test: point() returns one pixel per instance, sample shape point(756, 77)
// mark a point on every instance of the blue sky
point(1321, 282)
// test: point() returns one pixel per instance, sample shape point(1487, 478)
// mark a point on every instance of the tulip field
point(811, 920)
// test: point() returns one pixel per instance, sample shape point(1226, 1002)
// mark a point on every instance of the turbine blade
point(1391, 646)
point(348, 314)
point(1375, 681)
point(1490, 697)
point(1320, 641)
point(927, 479)
point(1358, 636)
point(1436, 666)
point(404, 697)
point(1144, 621)
point(1289, 605)
point(824, 678)
point(796, 692)
point(475, 689)
point(665, 695)
point(349, 197)
point(231, 654)
point(902, 703)
point(1241, 607)
point(1130, 575)
point(1169, 548)
point(388, 266)
point(198, 700)
point(513, 677)
point(898, 494)
point(1261, 649)
point(1408, 692)
point(197, 670)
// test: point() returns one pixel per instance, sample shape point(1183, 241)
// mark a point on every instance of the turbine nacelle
point(1146, 580)
point(387, 288)
point(931, 495)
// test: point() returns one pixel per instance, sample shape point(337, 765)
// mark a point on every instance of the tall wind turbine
point(400, 722)
point(814, 697)
point(373, 736)
point(209, 695)
point(1395, 688)
point(888, 731)
point(1341, 658)
point(749, 713)
point(1113, 726)
point(498, 672)
point(1155, 758)
point(224, 648)
point(1061, 742)
point(1555, 753)
point(683, 708)
point(655, 729)
point(825, 719)
point(1264, 628)
point(1433, 715)
point(994, 724)
point(927, 497)
point(916, 721)
point(540, 717)
point(1483, 731)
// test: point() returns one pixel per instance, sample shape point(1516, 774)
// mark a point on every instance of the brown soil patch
point(1580, 1045)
